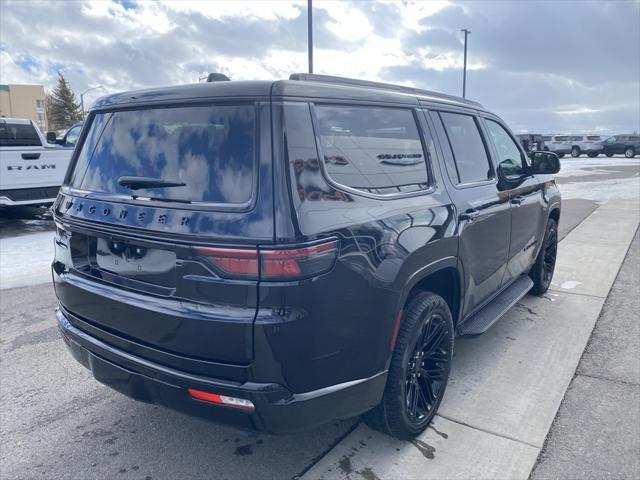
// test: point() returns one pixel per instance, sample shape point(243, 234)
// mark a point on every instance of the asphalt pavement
point(596, 434)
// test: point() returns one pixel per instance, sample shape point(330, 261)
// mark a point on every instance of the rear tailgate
point(127, 261)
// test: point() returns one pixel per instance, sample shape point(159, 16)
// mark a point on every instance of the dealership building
point(24, 101)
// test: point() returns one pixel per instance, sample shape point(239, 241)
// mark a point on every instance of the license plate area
point(137, 262)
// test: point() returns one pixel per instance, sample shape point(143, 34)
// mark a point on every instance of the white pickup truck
point(31, 170)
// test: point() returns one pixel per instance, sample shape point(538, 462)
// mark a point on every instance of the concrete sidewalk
point(507, 385)
point(596, 433)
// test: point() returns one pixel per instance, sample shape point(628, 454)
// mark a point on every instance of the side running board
point(496, 308)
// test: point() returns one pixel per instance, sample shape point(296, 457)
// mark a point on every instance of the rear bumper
point(277, 410)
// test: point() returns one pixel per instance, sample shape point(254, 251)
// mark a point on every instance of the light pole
point(82, 97)
point(310, 34)
point(464, 72)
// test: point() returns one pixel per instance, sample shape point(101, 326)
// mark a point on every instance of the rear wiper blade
point(136, 183)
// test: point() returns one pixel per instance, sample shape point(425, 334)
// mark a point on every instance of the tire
point(419, 369)
point(560, 155)
point(575, 152)
point(592, 154)
point(629, 152)
point(542, 271)
point(609, 155)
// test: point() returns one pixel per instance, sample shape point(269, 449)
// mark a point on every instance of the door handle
point(517, 200)
point(470, 215)
point(30, 156)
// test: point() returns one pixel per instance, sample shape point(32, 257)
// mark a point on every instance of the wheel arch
point(443, 278)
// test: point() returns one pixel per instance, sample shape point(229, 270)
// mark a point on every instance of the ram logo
point(49, 166)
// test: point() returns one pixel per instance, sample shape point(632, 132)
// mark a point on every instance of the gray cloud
point(536, 63)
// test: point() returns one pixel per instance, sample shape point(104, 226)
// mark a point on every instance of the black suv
point(282, 254)
point(629, 145)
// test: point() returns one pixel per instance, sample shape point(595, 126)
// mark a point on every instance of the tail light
point(272, 264)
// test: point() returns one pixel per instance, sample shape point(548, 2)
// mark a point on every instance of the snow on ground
point(26, 259)
point(599, 190)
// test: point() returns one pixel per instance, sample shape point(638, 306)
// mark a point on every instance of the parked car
point(531, 142)
point(627, 144)
point(32, 170)
point(589, 144)
point(558, 144)
point(283, 254)
point(69, 138)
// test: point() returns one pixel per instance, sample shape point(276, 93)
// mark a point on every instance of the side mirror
point(51, 137)
point(544, 162)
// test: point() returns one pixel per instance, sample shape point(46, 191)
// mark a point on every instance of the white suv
point(558, 144)
point(576, 145)
point(589, 144)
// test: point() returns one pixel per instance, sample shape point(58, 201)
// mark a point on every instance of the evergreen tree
point(64, 110)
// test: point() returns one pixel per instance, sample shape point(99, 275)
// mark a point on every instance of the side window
point(469, 153)
point(510, 158)
point(372, 149)
point(72, 136)
point(18, 135)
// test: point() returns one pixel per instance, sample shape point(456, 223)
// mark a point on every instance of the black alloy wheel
point(542, 271)
point(419, 368)
point(426, 369)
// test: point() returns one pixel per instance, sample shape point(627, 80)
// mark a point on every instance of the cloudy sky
point(543, 66)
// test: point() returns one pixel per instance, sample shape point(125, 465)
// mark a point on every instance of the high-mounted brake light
point(275, 264)
point(236, 402)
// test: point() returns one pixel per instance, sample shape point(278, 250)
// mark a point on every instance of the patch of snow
point(26, 259)
point(569, 284)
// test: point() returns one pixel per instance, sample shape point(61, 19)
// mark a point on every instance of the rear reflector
point(396, 328)
point(275, 264)
point(221, 399)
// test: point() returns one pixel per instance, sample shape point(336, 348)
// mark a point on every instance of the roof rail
point(312, 77)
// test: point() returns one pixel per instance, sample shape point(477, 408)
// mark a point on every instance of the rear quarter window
point(372, 149)
point(18, 135)
point(211, 149)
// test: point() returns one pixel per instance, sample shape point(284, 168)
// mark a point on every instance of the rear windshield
point(18, 135)
point(210, 149)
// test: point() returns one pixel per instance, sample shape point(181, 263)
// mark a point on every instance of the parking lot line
point(506, 386)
